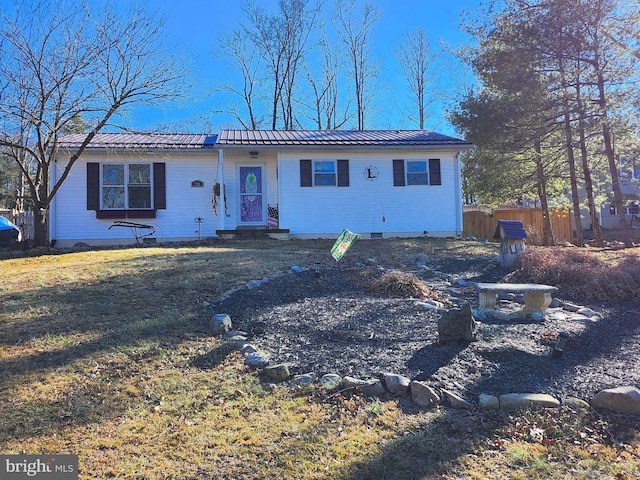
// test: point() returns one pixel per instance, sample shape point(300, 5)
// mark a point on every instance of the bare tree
point(355, 36)
point(245, 58)
point(282, 39)
point(323, 98)
point(59, 64)
point(416, 58)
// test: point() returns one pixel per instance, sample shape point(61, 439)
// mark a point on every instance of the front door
point(253, 204)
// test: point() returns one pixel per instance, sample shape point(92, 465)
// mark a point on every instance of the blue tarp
point(8, 232)
point(5, 224)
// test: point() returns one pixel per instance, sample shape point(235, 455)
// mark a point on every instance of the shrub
point(582, 273)
point(406, 285)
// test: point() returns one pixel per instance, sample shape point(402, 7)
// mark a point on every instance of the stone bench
point(536, 297)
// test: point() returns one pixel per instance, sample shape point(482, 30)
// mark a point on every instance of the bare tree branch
point(61, 64)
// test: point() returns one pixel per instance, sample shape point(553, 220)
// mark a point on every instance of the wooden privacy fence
point(24, 220)
point(483, 225)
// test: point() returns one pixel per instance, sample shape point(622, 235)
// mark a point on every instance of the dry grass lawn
point(99, 357)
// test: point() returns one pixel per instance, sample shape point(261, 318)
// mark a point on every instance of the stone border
point(624, 399)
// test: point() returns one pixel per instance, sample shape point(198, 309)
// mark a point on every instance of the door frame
point(263, 193)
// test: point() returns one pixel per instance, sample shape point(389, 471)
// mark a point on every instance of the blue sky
point(194, 25)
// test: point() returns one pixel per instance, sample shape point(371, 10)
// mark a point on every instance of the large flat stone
point(620, 400)
point(423, 395)
point(513, 401)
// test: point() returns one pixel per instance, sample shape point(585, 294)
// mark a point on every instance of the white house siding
point(71, 222)
point(323, 212)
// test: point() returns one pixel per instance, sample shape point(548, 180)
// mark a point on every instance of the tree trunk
point(579, 240)
point(586, 172)
point(541, 181)
point(611, 157)
point(39, 227)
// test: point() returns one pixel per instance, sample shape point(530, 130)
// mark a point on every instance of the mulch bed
point(335, 323)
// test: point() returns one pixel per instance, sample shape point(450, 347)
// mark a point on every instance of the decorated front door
point(253, 205)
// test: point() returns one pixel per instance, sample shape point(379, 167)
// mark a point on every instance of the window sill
point(111, 214)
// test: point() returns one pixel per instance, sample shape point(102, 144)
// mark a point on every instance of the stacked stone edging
point(624, 399)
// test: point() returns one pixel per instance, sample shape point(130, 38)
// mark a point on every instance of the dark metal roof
point(337, 138)
point(265, 138)
point(140, 140)
point(512, 229)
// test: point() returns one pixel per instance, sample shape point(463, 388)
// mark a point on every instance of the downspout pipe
point(458, 193)
point(223, 205)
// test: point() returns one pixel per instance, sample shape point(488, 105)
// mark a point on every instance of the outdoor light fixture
point(253, 154)
point(379, 208)
point(558, 349)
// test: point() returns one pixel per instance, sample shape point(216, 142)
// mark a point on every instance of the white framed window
point(417, 172)
point(126, 186)
point(324, 173)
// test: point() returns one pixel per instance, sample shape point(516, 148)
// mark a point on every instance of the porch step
point(253, 233)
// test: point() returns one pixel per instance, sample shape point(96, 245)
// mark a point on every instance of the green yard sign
point(344, 241)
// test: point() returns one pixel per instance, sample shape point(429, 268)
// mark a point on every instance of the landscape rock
point(396, 384)
point(304, 379)
point(502, 315)
point(238, 339)
point(620, 400)
point(488, 402)
point(259, 359)
point(576, 403)
point(331, 381)
point(587, 312)
point(507, 297)
point(457, 325)
point(456, 401)
point(513, 401)
point(352, 382)
point(278, 372)
point(370, 387)
point(423, 395)
point(373, 389)
point(555, 303)
point(256, 283)
point(220, 323)
point(420, 259)
point(570, 307)
point(248, 348)
point(370, 262)
point(233, 333)
point(297, 269)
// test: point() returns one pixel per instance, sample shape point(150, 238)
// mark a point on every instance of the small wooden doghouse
point(511, 234)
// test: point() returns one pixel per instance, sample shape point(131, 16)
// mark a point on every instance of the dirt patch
point(334, 323)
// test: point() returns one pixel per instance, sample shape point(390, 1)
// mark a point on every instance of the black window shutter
point(306, 178)
point(93, 186)
point(159, 186)
point(434, 172)
point(398, 173)
point(343, 173)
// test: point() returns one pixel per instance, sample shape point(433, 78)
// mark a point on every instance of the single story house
point(293, 184)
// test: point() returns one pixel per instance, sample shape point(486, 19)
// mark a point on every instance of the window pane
point(113, 197)
point(324, 167)
point(140, 173)
point(112, 174)
point(324, 180)
point(139, 197)
point(324, 173)
point(417, 173)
